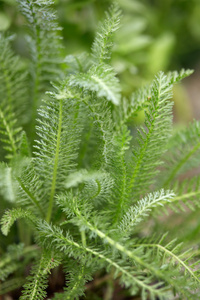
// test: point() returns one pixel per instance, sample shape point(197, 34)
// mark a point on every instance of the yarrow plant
point(87, 185)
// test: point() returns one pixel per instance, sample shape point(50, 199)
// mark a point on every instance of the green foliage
point(42, 37)
point(183, 152)
point(37, 281)
point(13, 91)
point(15, 259)
point(84, 191)
point(136, 213)
point(77, 276)
point(101, 49)
point(11, 216)
point(100, 79)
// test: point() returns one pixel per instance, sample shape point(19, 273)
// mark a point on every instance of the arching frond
point(74, 179)
point(30, 192)
point(119, 171)
point(13, 92)
point(183, 153)
point(101, 48)
point(152, 138)
point(139, 211)
point(100, 79)
point(171, 255)
point(59, 129)
point(37, 282)
point(128, 277)
point(77, 275)
point(187, 195)
point(13, 78)
point(44, 44)
point(10, 216)
point(158, 267)
point(129, 108)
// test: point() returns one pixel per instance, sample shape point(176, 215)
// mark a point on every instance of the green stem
point(83, 238)
point(55, 169)
point(110, 286)
point(8, 85)
point(37, 279)
point(37, 69)
point(121, 201)
point(31, 196)
point(85, 146)
point(9, 102)
point(96, 117)
point(185, 196)
point(181, 262)
point(24, 232)
point(110, 262)
point(109, 291)
point(117, 245)
point(143, 150)
point(180, 164)
point(9, 132)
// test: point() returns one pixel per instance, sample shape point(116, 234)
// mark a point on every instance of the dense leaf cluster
point(88, 181)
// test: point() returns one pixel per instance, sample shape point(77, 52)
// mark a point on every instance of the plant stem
point(110, 287)
point(83, 238)
point(55, 169)
point(181, 163)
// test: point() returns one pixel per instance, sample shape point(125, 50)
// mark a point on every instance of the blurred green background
point(154, 35)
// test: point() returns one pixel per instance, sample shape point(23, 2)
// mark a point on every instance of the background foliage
point(156, 35)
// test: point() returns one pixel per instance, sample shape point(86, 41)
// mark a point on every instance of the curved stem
point(121, 201)
point(110, 262)
point(55, 169)
point(36, 66)
point(180, 164)
point(185, 196)
point(9, 132)
point(31, 196)
point(174, 256)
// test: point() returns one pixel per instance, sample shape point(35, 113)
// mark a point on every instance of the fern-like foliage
point(78, 276)
point(70, 247)
point(129, 108)
point(8, 183)
point(183, 153)
point(30, 192)
point(100, 79)
point(184, 261)
point(187, 195)
point(101, 49)
point(11, 261)
point(11, 216)
point(136, 213)
point(91, 180)
point(57, 148)
point(13, 90)
point(13, 76)
point(43, 39)
point(153, 137)
point(37, 282)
